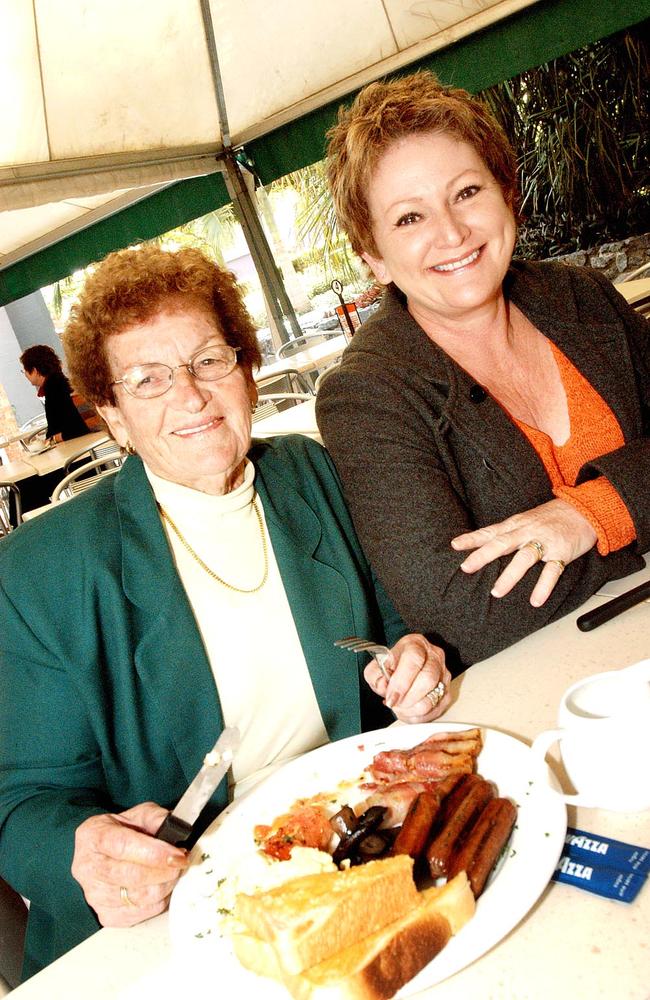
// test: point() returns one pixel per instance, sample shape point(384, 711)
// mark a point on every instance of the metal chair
point(323, 375)
point(84, 477)
point(7, 491)
point(289, 380)
point(300, 343)
point(106, 448)
point(267, 404)
point(13, 923)
point(38, 422)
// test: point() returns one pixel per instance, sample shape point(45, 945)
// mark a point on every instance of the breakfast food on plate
point(313, 917)
point(436, 757)
point(360, 933)
point(424, 802)
point(468, 799)
point(306, 825)
point(364, 928)
point(479, 850)
point(435, 766)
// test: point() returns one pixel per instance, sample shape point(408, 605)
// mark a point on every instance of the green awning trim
point(530, 38)
point(535, 35)
point(150, 217)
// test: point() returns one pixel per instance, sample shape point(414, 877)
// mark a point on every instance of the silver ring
point(125, 899)
point(436, 694)
point(537, 546)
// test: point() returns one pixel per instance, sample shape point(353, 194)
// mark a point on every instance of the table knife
point(178, 824)
point(603, 613)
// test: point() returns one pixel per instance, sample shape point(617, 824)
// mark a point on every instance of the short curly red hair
point(388, 110)
point(131, 287)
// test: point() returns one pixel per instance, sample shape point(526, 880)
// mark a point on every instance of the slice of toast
point(315, 916)
point(377, 966)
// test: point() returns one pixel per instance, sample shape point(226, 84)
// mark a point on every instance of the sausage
point(416, 828)
point(463, 856)
point(445, 786)
point(467, 799)
point(484, 843)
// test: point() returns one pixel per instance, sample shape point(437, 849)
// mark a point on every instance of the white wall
point(23, 323)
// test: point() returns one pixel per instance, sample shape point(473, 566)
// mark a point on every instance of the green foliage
point(580, 128)
point(317, 227)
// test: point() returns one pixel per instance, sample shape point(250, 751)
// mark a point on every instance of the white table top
point(309, 359)
point(47, 461)
point(572, 944)
point(634, 290)
point(298, 419)
point(13, 472)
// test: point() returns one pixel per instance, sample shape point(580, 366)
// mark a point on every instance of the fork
point(357, 645)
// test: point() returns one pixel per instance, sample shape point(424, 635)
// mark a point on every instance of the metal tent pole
point(236, 177)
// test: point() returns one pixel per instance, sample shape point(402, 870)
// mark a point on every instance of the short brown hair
point(42, 359)
point(389, 110)
point(131, 287)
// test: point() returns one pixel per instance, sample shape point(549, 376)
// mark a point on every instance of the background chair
point(10, 494)
point(85, 476)
point(305, 340)
point(289, 380)
point(106, 448)
point(271, 403)
point(13, 923)
point(323, 375)
point(36, 423)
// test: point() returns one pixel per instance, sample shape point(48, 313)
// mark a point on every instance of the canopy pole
point(275, 294)
point(278, 302)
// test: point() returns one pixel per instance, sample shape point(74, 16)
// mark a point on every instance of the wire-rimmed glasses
point(208, 365)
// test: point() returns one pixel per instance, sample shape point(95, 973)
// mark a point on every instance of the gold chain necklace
point(186, 545)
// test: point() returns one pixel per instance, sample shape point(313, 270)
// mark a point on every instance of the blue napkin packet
point(601, 865)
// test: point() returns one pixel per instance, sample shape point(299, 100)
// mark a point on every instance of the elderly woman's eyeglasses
point(208, 365)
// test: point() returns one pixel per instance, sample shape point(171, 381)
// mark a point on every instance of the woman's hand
point(561, 531)
point(415, 667)
point(115, 852)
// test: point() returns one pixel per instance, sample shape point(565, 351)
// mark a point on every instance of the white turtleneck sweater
point(250, 639)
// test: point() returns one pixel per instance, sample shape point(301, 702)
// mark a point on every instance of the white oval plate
point(522, 876)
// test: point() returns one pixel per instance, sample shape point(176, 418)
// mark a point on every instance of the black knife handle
point(602, 614)
point(173, 830)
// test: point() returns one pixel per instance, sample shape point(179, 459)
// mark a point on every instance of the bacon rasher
point(436, 757)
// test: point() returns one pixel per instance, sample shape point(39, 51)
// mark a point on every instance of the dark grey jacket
point(424, 455)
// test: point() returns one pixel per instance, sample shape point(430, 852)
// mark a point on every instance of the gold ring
point(537, 546)
point(436, 694)
point(558, 562)
point(125, 899)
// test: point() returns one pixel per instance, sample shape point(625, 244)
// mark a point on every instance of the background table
point(571, 945)
point(307, 360)
point(298, 419)
point(36, 475)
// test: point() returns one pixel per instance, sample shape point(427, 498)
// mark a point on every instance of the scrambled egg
point(257, 872)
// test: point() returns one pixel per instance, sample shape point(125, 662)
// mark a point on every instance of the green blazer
point(108, 699)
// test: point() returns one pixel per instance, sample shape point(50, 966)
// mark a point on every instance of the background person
point(493, 414)
point(42, 368)
point(202, 585)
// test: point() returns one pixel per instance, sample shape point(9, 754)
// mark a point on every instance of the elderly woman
point(492, 415)
point(202, 585)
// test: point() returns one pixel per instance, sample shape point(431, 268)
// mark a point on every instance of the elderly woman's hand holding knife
point(126, 874)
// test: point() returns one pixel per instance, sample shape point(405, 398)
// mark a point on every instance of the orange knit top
point(594, 431)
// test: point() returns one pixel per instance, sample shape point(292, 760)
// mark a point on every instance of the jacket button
point(477, 394)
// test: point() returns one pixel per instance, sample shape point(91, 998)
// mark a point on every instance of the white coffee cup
point(604, 735)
